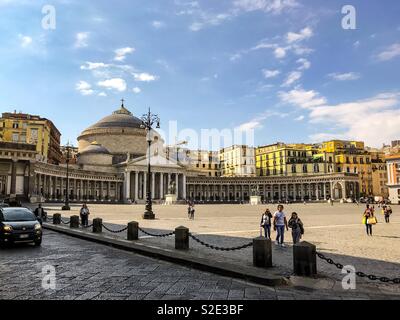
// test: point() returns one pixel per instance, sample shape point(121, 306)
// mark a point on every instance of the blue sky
point(285, 68)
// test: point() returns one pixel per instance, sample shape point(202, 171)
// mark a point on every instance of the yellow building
point(282, 159)
point(31, 129)
point(352, 157)
point(237, 161)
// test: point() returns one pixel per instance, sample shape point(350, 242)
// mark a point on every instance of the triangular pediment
point(156, 161)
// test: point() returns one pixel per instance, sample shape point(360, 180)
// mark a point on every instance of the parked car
point(19, 225)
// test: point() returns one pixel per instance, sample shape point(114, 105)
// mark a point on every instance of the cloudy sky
point(285, 68)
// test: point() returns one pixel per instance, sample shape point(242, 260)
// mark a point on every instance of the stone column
point(136, 185)
point(177, 186)
point(127, 183)
point(161, 185)
point(287, 192)
point(153, 185)
point(324, 190)
point(144, 185)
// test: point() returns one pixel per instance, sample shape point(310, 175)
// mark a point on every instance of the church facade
point(112, 166)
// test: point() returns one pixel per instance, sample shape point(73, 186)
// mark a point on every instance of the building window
point(305, 168)
point(15, 137)
point(15, 125)
point(294, 168)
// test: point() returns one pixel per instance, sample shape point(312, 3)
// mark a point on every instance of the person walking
point(280, 223)
point(266, 223)
point(369, 220)
point(40, 213)
point(192, 210)
point(388, 212)
point(189, 210)
point(84, 213)
point(297, 227)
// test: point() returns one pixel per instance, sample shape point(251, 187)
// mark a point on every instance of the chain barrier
point(250, 244)
point(114, 231)
point(65, 222)
point(359, 273)
point(157, 235)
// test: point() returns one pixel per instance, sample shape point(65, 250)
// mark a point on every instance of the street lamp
point(148, 120)
point(66, 206)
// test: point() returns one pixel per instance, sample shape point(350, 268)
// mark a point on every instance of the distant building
point(393, 171)
point(31, 129)
point(73, 154)
point(237, 161)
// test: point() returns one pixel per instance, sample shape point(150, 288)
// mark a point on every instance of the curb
point(259, 275)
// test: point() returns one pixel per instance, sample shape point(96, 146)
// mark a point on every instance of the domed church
point(120, 135)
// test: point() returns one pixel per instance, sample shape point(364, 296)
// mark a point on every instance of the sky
point(286, 70)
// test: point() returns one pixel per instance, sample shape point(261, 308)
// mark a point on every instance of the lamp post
point(66, 206)
point(148, 120)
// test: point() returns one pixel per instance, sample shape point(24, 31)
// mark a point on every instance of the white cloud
point(280, 53)
point(305, 64)
point(115, 83)
point(299, 118)
point(235, 57)
point(207, 19)
point(375, 120)
point(136, 90)
point(274, 6)
point(270, 73)
point(304, 34)
point(158, 24)
point(251, 125)
point(81, 39)
point(389, 53)
point(94, 65)
point(102, 94)
point(84, 88)
point(144, 77)
point(344, 76)
point(356, 44)
point(301, 98)
point(120, 54)
point(292, 78)
point(26, 41)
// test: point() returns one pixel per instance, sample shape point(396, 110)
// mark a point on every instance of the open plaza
point(336, 230)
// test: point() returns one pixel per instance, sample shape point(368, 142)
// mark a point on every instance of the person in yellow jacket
point(369, 219)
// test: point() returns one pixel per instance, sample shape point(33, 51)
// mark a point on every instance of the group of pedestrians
point(279, 222)
point(369, 218)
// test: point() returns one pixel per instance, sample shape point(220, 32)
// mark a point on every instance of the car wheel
point(38, 243)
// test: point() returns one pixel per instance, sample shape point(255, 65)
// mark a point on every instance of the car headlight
point(7, 228)
point(38, 227)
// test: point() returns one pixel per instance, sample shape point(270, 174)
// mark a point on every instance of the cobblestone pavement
point(86, 270)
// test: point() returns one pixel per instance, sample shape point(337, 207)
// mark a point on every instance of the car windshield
point(16, 215)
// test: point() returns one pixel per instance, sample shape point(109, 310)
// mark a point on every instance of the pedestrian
point(40, 213)
point(297, 227)
point(388, 213)
point(84, 213)
point(280, 223)
point(192, 212)
point(189, 210)
point(266, 223)
point(369, 220)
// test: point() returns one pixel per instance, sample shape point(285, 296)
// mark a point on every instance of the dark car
point(19, 225)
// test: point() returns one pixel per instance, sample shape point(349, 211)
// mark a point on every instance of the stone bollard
point(262, 252)
point(97, 225)
point(182, 238)
point(57, 218)
point(305, 259)
point(133, 231)
point(74, 222)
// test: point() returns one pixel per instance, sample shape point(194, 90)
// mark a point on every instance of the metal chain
point(114, 231)
point(157, 235)
point(65, 222)
point(359, 273)
point(250, 244)
point(86, 227)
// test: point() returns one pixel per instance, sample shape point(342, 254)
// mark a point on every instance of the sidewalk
point(329, 277)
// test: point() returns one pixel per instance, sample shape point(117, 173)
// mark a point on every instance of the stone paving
point(86, 270)
point(335, 230)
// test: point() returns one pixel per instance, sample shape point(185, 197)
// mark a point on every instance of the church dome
point(94, 148)
point(121, 118)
